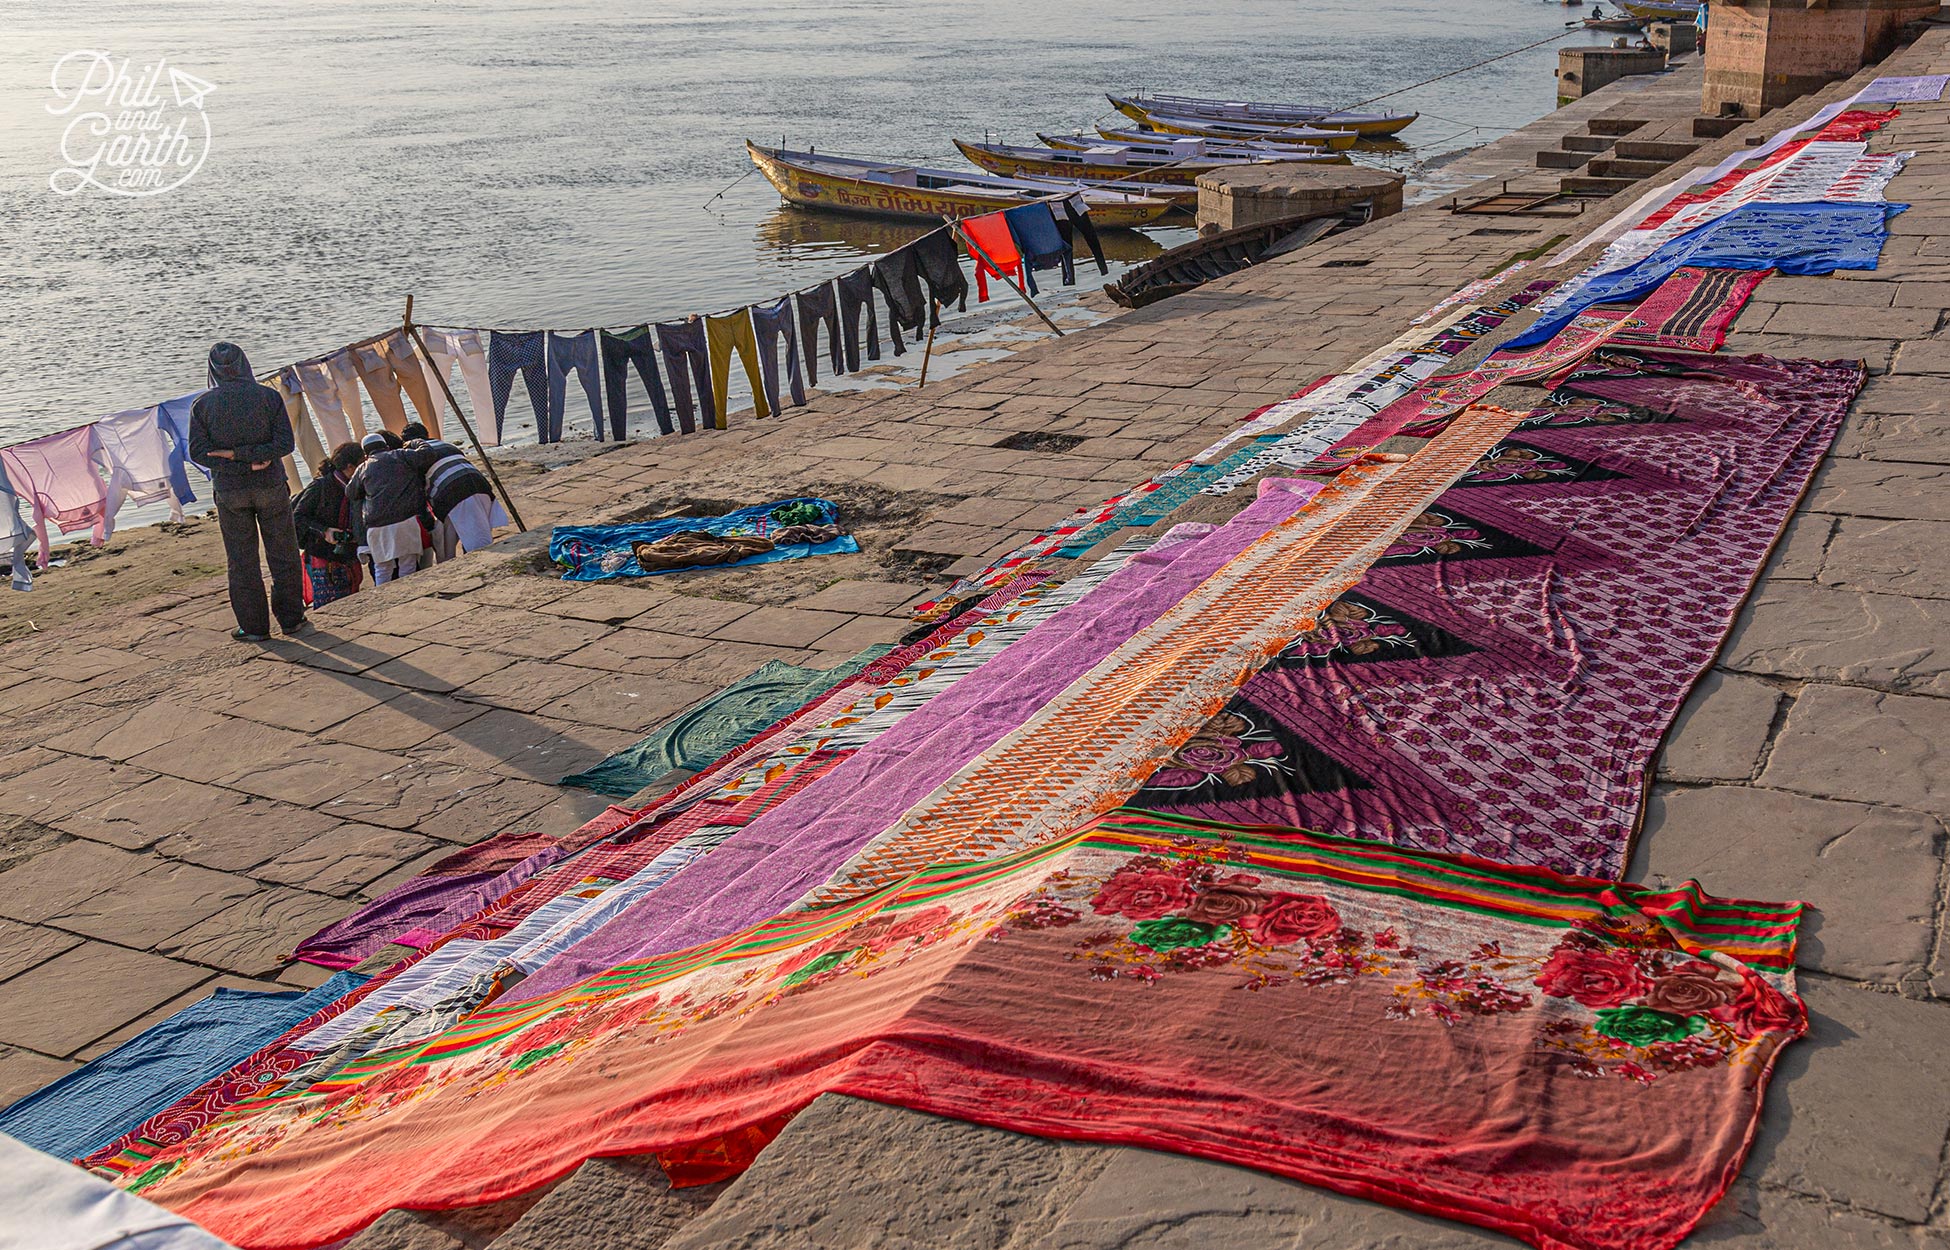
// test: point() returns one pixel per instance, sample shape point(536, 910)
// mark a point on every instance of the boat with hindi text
point(843, 184)
point(1366, 125)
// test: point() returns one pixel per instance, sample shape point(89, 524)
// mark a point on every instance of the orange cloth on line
point(726, 333)
point(991, 234)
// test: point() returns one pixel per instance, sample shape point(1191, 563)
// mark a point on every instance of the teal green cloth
point(698, 737)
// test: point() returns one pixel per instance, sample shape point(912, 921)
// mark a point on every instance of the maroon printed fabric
point(1500, 680)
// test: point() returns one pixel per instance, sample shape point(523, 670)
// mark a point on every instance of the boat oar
point(975, 250)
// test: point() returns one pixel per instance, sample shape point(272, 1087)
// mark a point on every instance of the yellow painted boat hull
point(1380, 128)
point(835, 193)
point(1339, 141)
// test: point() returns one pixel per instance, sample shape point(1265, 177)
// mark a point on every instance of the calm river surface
point(550, 164)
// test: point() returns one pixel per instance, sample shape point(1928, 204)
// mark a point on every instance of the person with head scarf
point(387, 498)
point(240, 433)
point(323, 517)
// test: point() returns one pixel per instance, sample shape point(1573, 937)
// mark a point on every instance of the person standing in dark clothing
point(239, 432)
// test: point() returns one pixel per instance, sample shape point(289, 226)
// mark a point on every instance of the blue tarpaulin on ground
point(1801, 239)
point(97, 1103)
point(593, 552)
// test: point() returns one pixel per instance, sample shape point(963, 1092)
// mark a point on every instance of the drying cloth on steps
point(434, 901)
point(591, 553)
point(1500, 680)
point(1040, 243)
point(56, 477)
point(1412, 1015)
point(1920, 89)
point(695, 739)
point(132, 456)
point(98, 1102)
point(1798, 238)
point(53, 1205)
point(1691, 311)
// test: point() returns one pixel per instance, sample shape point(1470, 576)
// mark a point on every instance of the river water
point(560, 164)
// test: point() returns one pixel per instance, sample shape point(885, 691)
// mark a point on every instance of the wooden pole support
point(413, 332)
point(975, 249)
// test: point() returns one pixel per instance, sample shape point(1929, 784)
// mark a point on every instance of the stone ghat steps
point(1623, 146)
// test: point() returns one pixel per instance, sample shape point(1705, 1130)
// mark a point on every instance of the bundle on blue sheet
point(95, 1104)
point(594, 552)
point(1802, 239)
point(693, 740)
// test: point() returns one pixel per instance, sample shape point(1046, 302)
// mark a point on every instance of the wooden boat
point(841, 184)
point(1191, 265)
point(1613, 23)
point(1092, 164)
point(1659, 10)
point(1367, 125)
point(1177, 147)
point(1285, 135)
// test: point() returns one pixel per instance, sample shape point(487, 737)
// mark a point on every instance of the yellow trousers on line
point(725, 334)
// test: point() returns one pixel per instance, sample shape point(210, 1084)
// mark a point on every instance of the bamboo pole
point(934, 321)
point(975, 249)
point(413, 332)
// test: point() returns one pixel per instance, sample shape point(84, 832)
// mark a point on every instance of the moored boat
point(1659, 10)
point(844, 184)
point(1295, 135)
point(1191, 265)
point(1095, 164)
point(1369, 125)
point(1177, 147)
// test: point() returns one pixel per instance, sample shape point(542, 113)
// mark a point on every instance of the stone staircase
point(1617, 151)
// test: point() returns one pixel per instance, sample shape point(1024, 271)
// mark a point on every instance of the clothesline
point(77, 478)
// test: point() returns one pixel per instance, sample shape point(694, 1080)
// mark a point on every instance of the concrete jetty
point(177, 810)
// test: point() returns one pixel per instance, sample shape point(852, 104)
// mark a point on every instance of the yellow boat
point(1285, 136)
point(840, 184)
point(1105, 164)
point(1658, 12)
point(1198, 108)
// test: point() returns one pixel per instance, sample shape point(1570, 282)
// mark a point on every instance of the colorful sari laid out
point(1145, 981)
point(1500, 679)
point(1692, 311)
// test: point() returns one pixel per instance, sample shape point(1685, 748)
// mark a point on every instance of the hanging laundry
point(1033, 226)
point(509, 354)
point(898, 277)
point(410, 371)
point(129, 451)
point(940, 261)
point(173, 418)
point(635, 346)
point(56, 475)
point(687, 359)
point(994, 251)
point(728, 333)
point(771, 322)
point(816, 304)
point(856, 293)
point(379, 366)
point(1075, 220)
point(321, 391)
point(566, 352)
point(344, 375)
point(303, 435)
point(467, 349)
point(14, 532)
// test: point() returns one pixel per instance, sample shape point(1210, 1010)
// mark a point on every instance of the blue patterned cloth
point(591, 553)
point(1801, 239)
point(95, 1104)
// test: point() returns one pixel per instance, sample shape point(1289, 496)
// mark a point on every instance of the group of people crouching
point(387, 505)
point(378, 505)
